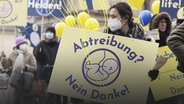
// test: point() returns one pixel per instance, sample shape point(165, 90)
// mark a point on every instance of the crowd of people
point(121, 23)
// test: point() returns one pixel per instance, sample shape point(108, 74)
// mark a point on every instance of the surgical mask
point(23, 47)
point(114, 24)
point(49, 35)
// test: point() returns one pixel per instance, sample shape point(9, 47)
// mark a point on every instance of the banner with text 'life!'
point(101, 67)
point(169, 82)
point(13, 12)
point(171, 7)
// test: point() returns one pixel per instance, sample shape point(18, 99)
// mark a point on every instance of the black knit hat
point(51, 29)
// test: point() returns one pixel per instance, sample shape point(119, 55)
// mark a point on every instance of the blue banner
point(171, 7)
point(31, 32)
point(46, 7)
point(89, 4)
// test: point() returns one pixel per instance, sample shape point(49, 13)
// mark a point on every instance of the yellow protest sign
point(82, 4)
point(102, 67)
point(13, 12)
point(170, 81)
point(93, 4)
point(100, 4)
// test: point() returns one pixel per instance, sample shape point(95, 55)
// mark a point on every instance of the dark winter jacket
point(45, 54)
point(175, 42)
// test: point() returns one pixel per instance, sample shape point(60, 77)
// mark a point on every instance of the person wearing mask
point(21, 47)
point(45, 53)
point(162, 22)
point(121, 22)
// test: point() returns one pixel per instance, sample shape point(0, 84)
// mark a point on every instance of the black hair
point(51, 29)
point(124, 10)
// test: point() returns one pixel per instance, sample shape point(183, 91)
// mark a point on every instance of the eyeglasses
point(163, 22)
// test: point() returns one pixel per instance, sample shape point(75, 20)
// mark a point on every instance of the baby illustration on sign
point(102, 70)
point(5, 8)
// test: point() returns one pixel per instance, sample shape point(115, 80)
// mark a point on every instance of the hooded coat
point(162, 35)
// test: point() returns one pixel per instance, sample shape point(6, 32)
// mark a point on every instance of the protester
point(154, 73)
point(45, 53)
point(21, 47)
point(121, 23)
point(175, 43)
point(162, 22)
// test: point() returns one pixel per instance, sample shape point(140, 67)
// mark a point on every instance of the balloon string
point(3, 38)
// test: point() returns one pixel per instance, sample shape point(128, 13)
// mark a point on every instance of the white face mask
point(114, 24)
point(23, 47)
point(49, 35)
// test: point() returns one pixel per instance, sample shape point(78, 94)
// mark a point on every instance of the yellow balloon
point(82, 17)
point(155, 7)
point(97, 29)
point(70, 21)
point(59, 28)
point(91, 24)
point(180, 13)
point(136, 3)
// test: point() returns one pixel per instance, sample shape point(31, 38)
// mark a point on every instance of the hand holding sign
point(160, 62)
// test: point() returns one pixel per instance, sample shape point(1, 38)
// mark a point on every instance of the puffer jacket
point(175, 42)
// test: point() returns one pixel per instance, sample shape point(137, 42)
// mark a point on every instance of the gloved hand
point(153, 74)
point(2, 55)
point(40, 49)
point(180, 66)
point(181, 69)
